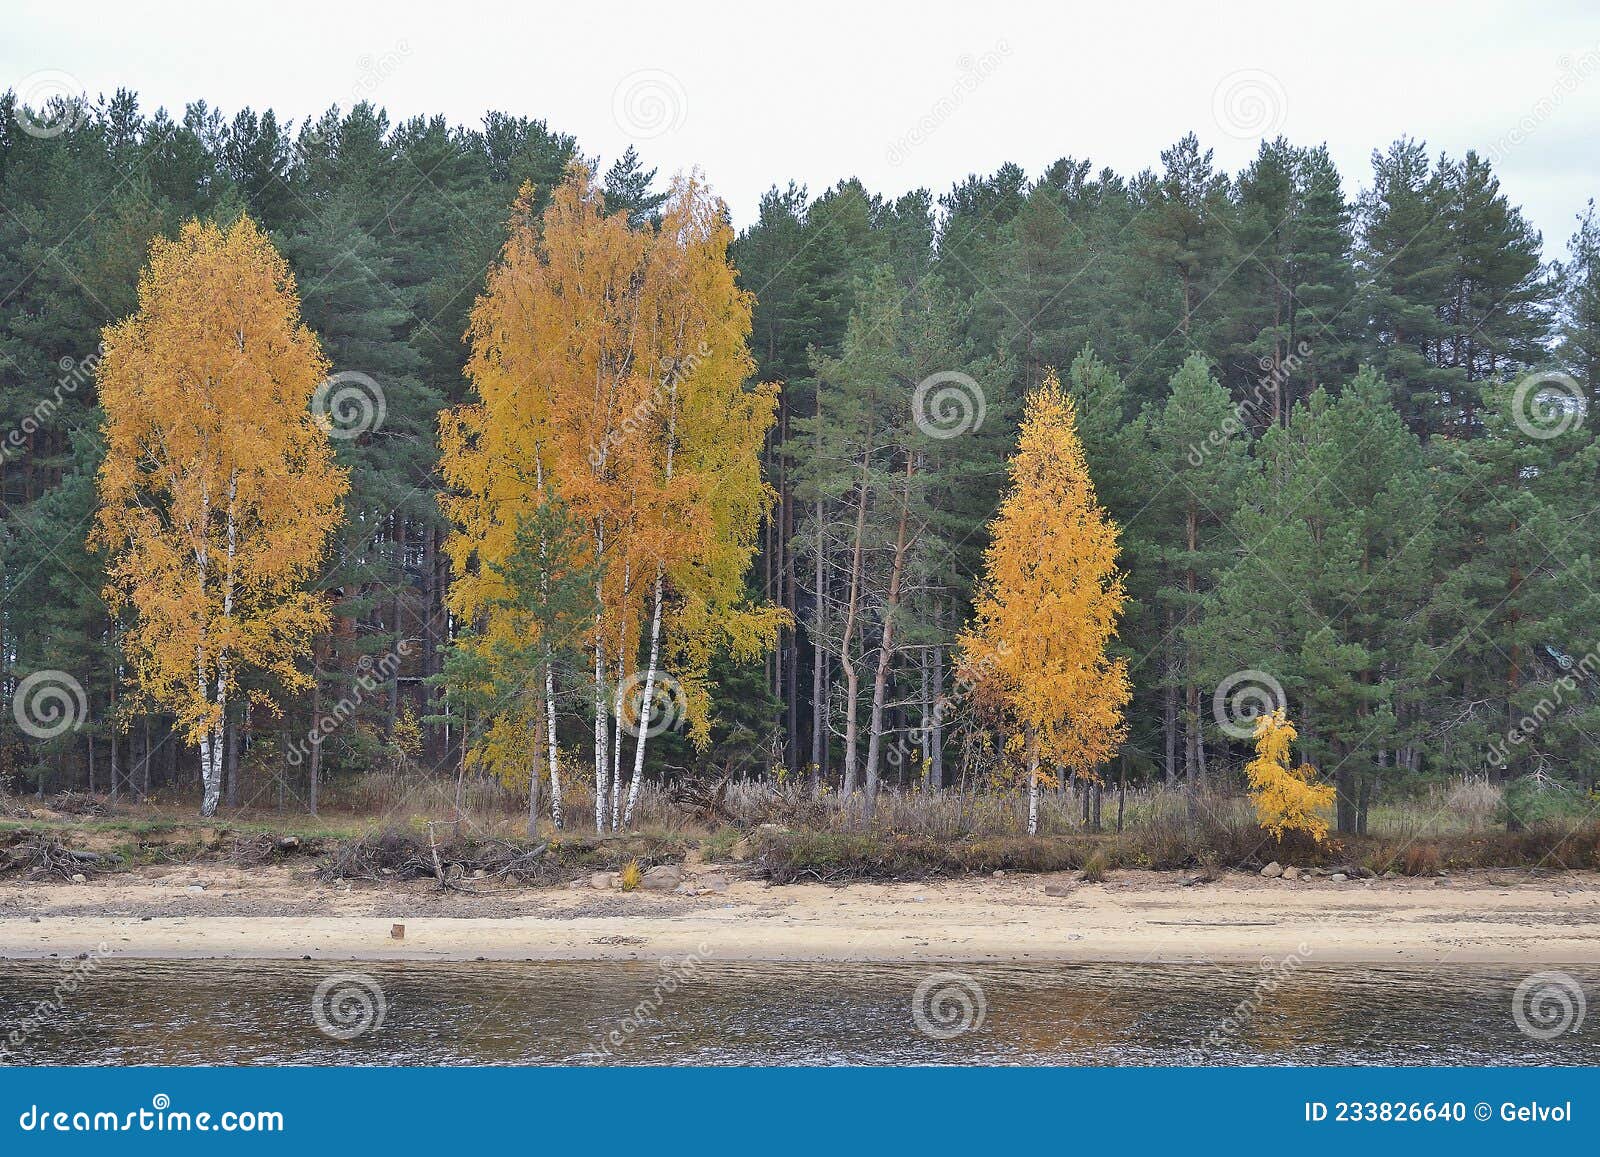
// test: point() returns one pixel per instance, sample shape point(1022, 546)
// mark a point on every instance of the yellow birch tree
point(218, 492)
point(1048, 602)
point(1286, 799)
point(611, 365)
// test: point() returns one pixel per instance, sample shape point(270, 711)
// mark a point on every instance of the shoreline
point(1505, 917)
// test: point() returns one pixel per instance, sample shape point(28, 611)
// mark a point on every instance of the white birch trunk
point(600, 786)
point(550, 722)
point(599, 731)
point(616, 738)
point(549, 661)
point(648, 707)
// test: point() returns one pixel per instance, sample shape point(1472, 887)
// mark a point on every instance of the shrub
point(1420, 860)
point(631, 875)
point(1535, 799)
point(1094, 868)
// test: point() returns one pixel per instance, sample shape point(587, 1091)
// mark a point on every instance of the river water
point(705, 1012)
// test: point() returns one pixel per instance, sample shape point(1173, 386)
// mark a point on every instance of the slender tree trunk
point(1033, 782)
point(233, 760)
point(891, 611)
point(617, 708)
point(936, 735)
point(533, 781)
point(852, 679)
point(550, 741)
point(648, 706)
point(114, 735)
point(600, 784)
point(398, 632)
point(819, 662)
point(315, 770)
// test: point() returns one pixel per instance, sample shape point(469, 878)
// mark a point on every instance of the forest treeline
point(1342, 435)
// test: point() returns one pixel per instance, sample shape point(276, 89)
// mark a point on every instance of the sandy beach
point(206, 912)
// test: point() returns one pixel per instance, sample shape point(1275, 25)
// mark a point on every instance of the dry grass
point(375, 822)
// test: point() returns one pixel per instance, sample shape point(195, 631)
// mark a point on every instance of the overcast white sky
point(901, 95)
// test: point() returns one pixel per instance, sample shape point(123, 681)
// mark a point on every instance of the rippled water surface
point(180, 1012)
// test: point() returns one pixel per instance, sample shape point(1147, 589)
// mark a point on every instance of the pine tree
point(1578, 317)
point(1332, 580)
point(1406, 266)
point(1198, 449)
point(629, 190)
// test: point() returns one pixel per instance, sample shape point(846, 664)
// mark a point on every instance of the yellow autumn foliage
point(610, 368)
point(1051, 593)
point(1286, 799)
point(218, 491)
